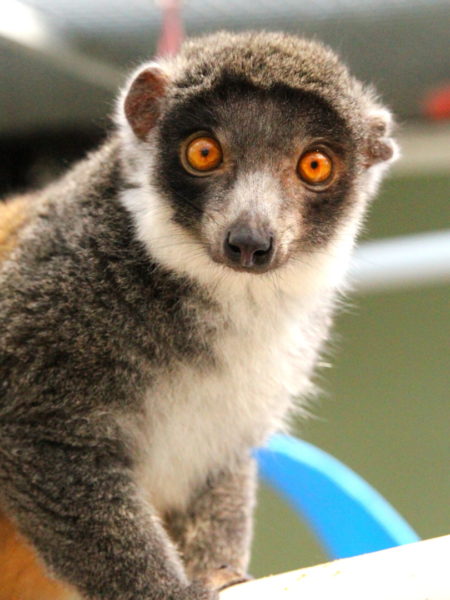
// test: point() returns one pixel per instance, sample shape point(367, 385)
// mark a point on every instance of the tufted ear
point(380, 147)
point(142, 104)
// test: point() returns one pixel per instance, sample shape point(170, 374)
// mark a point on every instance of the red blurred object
point(172, 32)
point(436, 104)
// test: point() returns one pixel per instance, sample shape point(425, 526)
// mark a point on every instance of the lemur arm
point(75, 502)
point(213, 534)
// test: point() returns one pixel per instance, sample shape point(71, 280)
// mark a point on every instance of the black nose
point(248, 247)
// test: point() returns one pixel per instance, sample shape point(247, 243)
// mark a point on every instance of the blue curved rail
point(347, 515)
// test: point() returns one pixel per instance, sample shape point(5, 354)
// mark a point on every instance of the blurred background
point(385, 407)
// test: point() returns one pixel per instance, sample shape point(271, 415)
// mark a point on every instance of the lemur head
point(250, 154)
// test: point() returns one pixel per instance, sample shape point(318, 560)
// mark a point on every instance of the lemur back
point(163, 307)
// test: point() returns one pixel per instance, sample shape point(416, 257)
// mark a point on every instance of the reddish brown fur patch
point(22, 577)
point(142, 101)
point(14, 215)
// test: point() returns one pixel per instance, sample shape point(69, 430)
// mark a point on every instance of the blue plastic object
point(347, 515)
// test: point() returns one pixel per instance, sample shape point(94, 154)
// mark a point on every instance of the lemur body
point(159, 317)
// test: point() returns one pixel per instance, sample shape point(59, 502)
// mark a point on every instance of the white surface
point(418, 571)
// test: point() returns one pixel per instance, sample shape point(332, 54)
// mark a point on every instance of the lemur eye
point(315, 167)
point(203, 154)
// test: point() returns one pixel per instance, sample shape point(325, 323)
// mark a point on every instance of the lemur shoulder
point(162, 308)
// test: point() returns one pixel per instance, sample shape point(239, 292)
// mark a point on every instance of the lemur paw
point(223, 577)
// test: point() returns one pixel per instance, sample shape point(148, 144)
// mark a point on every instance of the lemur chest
point(201, 419)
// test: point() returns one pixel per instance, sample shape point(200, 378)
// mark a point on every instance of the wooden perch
point(418, 571)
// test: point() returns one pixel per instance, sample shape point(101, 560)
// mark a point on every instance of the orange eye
point(203, 154)
point(315, 167)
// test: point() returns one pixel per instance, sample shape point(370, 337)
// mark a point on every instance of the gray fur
point(266, 59)
point(104, 344)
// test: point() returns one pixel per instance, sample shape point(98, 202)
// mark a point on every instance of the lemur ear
point(380, 147)
point(142, 105)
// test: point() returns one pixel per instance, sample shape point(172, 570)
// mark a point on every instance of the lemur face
point(258, 155)
point(256, 175)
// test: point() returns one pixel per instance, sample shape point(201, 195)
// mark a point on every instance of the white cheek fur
point(177, 249)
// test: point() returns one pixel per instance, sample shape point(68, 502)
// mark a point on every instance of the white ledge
point(418, 571)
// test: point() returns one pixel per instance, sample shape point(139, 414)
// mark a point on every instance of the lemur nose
point(248, 247)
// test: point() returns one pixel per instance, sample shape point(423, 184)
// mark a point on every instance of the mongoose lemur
point(162, 309)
